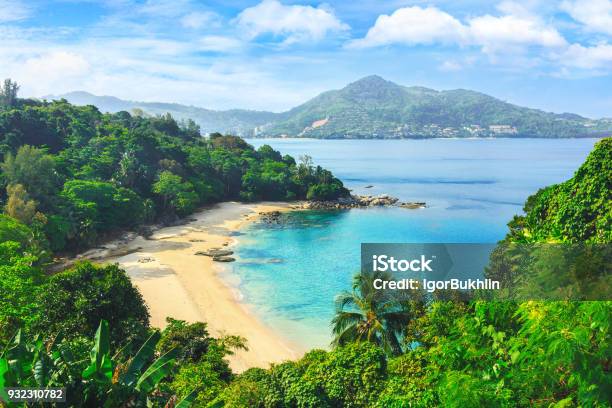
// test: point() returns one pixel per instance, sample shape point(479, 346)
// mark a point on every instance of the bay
point(290, 273)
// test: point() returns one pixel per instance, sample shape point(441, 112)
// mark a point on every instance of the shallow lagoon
point(290, 273)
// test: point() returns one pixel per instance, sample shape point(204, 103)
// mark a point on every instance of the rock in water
point(223, 259)
point(413, 206)
point(360, 201)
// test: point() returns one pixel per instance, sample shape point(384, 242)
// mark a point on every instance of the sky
point(276, 54)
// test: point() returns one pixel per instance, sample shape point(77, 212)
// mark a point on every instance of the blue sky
point(273, 55)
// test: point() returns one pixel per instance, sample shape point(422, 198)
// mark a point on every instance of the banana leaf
point(143, 356)
point(188, 400)
point(101, 367)
point(156, 371)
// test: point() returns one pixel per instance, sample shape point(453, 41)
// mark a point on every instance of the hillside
point(373, 107)
point(238, 122)
point(79, 174)
point(577, 210)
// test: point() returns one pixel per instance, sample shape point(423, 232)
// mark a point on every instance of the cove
point(290, 273)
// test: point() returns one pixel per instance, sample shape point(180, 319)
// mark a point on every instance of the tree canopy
point(89, 173)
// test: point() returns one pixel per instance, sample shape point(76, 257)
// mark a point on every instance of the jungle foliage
point(74, 174)
point(87, 328)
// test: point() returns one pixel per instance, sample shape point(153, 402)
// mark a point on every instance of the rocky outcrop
point(361, 201)
point(413, 205)
point(223, 259)
point(215, 252)
point(270, 217)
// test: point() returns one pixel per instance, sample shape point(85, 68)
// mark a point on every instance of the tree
point(13, 230)
point(76, 300)
point(176, 194)
point(370, 315)
point(34, 169)
point(19, 281)
point(8, 93)
point(111, 206)
point(19, 205)
point(577, 210)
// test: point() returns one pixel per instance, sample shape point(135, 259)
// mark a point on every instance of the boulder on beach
point(215, 252)
point(223, 259)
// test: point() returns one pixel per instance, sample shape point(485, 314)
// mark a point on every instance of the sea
point(288, 274)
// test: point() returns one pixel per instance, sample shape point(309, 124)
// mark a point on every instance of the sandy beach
point(177, 283)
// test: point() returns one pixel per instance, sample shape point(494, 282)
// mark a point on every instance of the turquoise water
point(290, 273)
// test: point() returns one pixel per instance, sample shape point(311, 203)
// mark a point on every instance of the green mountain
point(238, 122)
point(373, 107)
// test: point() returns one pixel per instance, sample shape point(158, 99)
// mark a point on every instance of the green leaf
point(140, 359)
point(188, 400)
point(42, 369)
point(101, 367)
point(156, 371)
point(4, 378)
point(149, 380)
point(515, 356)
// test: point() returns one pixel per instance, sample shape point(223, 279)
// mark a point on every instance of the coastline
point(175, 282)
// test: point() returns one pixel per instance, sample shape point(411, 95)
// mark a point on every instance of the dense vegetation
point(73, 173)
point(577, 210)
point(375, 108)
point(464, 354)
point(239, 122)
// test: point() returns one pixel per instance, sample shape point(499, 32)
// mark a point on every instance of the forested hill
point(577, 210)
point(72, 173)
point(375, 108)
point(240, 122)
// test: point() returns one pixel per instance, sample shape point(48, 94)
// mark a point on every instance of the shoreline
point(175, 282)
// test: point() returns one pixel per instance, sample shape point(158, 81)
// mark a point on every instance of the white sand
point(176, 283)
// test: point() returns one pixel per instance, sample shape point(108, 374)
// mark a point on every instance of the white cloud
point(417, 25)
point(413, 25)
point(596, 15)
point(496, 33)
point(198, 19)
point(594, 57)
point(449, 66)
point(296, 23)
point(165, 8)
point(149, 46)
point(150, 69)
point(219, 43)
point(56, 68)
point(13, 10)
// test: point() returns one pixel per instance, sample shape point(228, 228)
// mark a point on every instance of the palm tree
point(372, 315)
